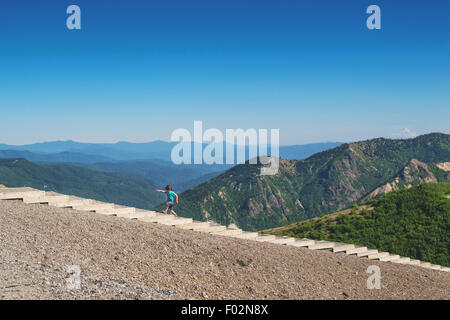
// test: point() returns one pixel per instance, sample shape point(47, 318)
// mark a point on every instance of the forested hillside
point(327, 181)
point(73, 180)
point(411, 222)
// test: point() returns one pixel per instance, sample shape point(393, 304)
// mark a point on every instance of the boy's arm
point(158, 190)
point(176, 198)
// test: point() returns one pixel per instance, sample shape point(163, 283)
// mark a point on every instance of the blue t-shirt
point(171, 196)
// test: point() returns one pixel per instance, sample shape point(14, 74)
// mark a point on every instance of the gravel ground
point(128, 259)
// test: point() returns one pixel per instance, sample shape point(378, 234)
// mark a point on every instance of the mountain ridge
point(326, 181)
point(127, 151)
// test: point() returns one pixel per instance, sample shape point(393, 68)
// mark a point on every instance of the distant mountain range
point(65, 156)
point(126, 151)
point(113, 151)
point(327, 181)
point(149, 160)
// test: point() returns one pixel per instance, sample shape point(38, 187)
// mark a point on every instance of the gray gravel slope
point(128, 259)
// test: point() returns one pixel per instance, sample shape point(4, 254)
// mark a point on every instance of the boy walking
point(172, 199)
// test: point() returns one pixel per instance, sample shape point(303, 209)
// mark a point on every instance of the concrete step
point(147, 213)
point(123, 209)
point(176, 222)
point(228, 232)
point(367, 253)
point(378, 256)
point(435, 267)
point(247, 235)
point(211, 229)
point(154, 219)
point(54, 194)
point(72, 201)
point(19, 193)
point(322, 245)
point(356, 250)
point(264, 238)
point(283, 240)
point(158, 218)
point(191, 226)
point(208, 226)
point(107, 212)
point(151, 212)
point(343, 247)
point(402, 260)
point(233, 227)
point(302, 243)
point(446, 269)
point(135, 215)
point(117, 210)
point(390, 258)
point(414, 262)
point(425, 264)
point(18, 189)
point(94, 206)
point(203, 226)
point(46, 198)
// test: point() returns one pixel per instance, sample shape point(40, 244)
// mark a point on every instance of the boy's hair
point(169, 187)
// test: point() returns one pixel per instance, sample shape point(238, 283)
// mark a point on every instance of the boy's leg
point(173, 212)
point(165, 210)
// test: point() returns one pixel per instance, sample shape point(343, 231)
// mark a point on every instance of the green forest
point(411, 222)
point(124, 189)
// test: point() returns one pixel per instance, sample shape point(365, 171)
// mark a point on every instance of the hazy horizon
point(167, 141)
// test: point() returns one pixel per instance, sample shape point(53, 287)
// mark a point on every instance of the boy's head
point(169, 187)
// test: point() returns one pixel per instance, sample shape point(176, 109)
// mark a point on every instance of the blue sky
point(137, 70)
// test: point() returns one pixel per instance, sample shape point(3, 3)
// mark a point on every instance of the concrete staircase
point(30, 195)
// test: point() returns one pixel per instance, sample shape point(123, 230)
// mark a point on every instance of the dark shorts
point(170, 204)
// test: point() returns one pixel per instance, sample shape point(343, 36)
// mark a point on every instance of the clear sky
point(137, 70)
